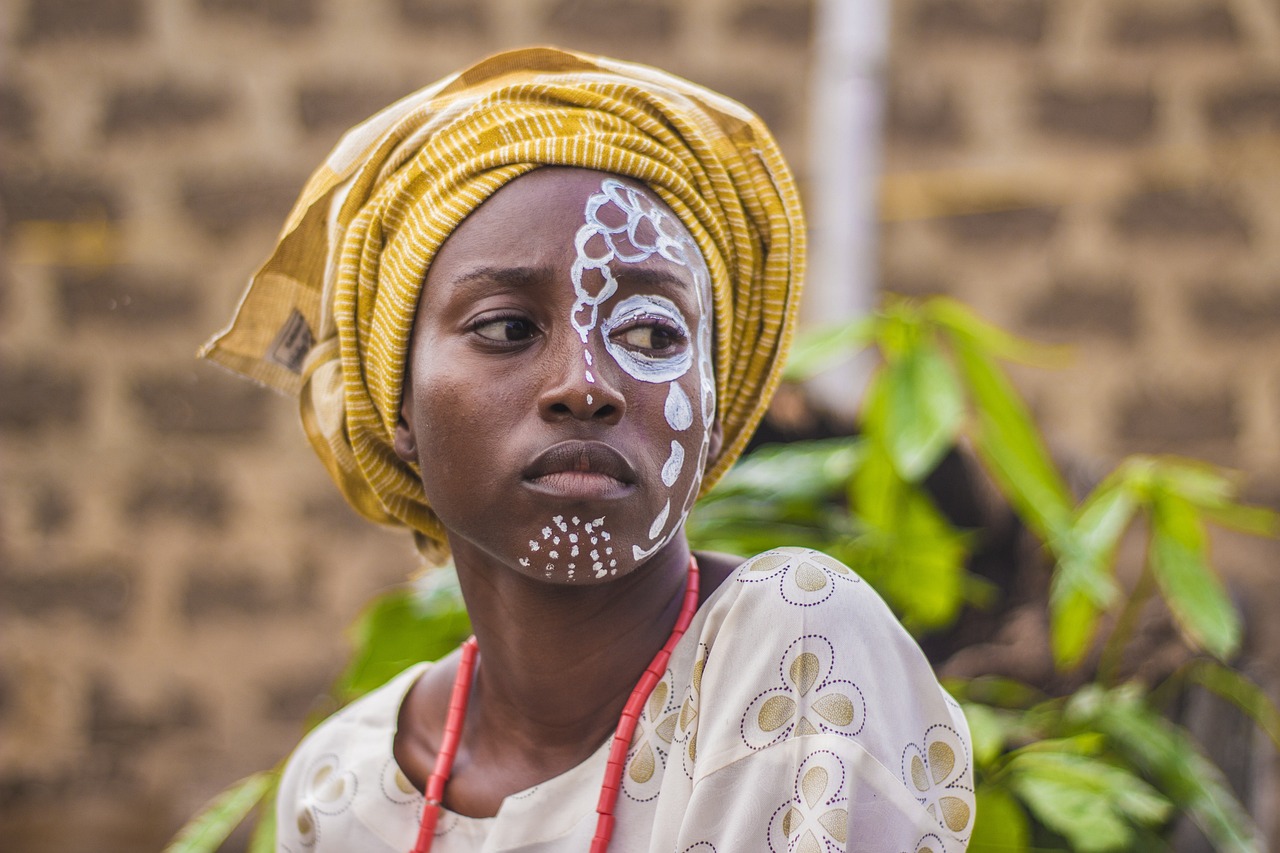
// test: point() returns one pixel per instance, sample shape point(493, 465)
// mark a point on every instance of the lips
point(580, 470)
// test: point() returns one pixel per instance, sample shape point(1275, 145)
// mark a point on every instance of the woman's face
point(559, 397)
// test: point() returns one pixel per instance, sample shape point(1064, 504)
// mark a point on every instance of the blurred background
point(176, 571)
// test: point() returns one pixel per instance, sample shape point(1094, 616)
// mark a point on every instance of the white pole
point(850, 50)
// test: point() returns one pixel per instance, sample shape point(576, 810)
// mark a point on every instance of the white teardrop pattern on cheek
point(671, 468)
point(658, 523)
point(678, 409)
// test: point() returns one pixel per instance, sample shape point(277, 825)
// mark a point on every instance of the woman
point(531, 313)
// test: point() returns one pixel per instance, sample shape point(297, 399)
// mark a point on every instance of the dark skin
point(495, 376)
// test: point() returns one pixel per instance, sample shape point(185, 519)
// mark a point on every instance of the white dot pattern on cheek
point(579, 535)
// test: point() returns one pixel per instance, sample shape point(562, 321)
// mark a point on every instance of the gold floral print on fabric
point(808, 699)
point(939, 777)
point(816, 818)
point(326, 790)
point(804, 577)
point(686, 734)
point(651, 742)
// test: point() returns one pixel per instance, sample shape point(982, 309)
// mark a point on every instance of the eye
point(504, 329)
point(651, 335)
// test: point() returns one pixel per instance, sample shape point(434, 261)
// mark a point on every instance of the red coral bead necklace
point(617, 752)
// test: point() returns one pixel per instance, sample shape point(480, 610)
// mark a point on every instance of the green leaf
point(1001, 825)
point(815, 351)
point(1082, 586)
point(1214, 492)
point(960, 319)
point(264, 832)
point(987, 728)
point(210, 827)
point(924, 406)
point(808, 470)
point(908, 552)
point(1087, 801)
point(1240, 691)
point(402, 627)
point(1008, 442)
point(1166, 754)
point(1193, 592)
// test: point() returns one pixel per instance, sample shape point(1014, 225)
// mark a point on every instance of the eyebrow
point(510, 276)
point(520, 277)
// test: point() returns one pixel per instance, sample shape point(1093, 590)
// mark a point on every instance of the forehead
point(532, 223)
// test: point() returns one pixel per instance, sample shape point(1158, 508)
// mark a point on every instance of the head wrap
point(329, 316)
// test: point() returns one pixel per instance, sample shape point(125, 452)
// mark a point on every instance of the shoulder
point(346, 757)
point(797, 647)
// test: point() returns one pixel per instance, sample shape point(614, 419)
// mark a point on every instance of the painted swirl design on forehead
point(625, 224)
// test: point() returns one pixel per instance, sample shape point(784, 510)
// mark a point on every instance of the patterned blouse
point(796, 715)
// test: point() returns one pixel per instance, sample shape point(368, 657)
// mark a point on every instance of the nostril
point(561, 409)
point(606, 411)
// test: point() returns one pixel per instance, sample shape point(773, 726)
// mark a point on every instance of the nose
point(580, 389)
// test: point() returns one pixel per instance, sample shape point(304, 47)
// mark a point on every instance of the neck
point(558, 662)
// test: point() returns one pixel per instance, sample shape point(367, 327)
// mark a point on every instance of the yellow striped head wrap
point(329, 316)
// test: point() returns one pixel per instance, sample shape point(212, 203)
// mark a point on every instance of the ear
point(717, 442)
point(405, 441)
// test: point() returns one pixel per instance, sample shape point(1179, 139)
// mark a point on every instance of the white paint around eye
point(678, 409)
point(643, 366)
point(671, 469)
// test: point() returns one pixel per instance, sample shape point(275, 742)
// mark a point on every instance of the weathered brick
point(923, 118)
point(1090, 308)
point(38, 396)
point(329, 511)
point(1018, 22)
point(110, 722)
point(224, 205)
point(198, 499)
point(1170, 419)
point(465, 17)
point(338, 106)
point(215, 592)
point(1228, 313)
point(99, 593)
point(789, 23)
point(124, 296)
point(64, 197)
point(291, 697)
point(52, 19)
point(1251, 108)
point(1178, 215)
point(280, 13)
point(52, 509)
point(1101, 115)
point(166, 106)
point(17, 115)
point(1002, 228)
point(621, 20)
point(200, 403)
point(1171, 25)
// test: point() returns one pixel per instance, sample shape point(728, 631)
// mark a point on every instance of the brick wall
point(175, 568)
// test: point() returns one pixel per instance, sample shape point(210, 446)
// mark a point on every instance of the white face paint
point(625, 224)
point(678, 410)
point(671, 468)
point(631, 313)
point(569, 545)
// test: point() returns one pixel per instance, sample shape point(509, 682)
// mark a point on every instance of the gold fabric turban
point(329, 316)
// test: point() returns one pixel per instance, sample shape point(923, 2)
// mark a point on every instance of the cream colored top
point(796, 715)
